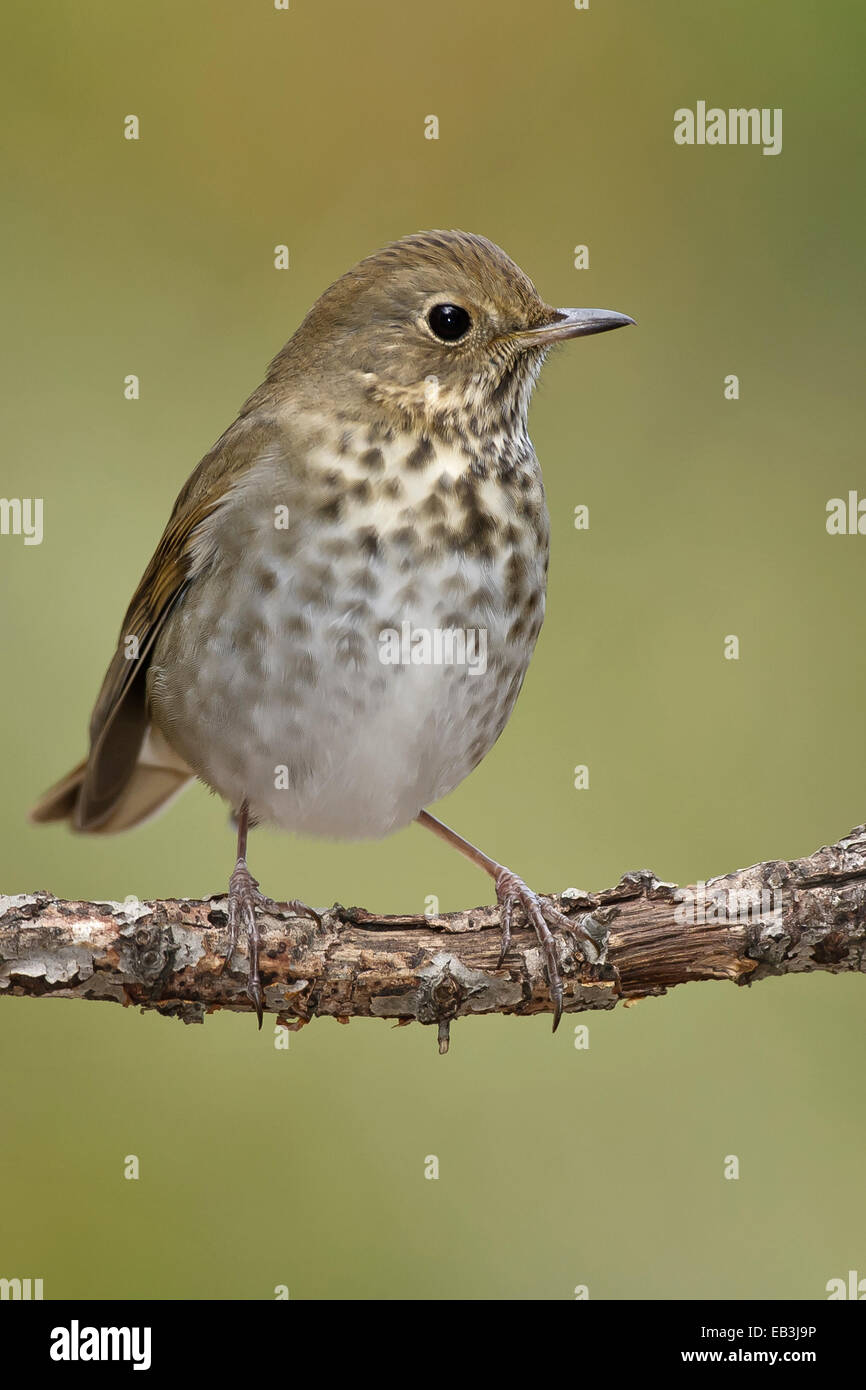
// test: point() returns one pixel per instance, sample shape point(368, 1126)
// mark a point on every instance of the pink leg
point(511, 890)
point(244, 898)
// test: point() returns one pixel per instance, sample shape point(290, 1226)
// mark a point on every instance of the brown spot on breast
point(366, 581)
point(351, 649)
point(480, 527)
point(432, 507)
point(404, 535)
point(360, 490)
point(359, 611)
point(540, 528)
point(335, 546)
point(421, 455)
point(256, 634)
point(455, 618)
point(305, 669)
point(373, 459)
point(483, 597)
point(368, 540)
point(515, 585)
point(316, 586)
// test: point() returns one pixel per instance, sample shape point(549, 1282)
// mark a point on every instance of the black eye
point(449, 322)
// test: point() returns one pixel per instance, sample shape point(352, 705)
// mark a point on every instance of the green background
point(558, 1167)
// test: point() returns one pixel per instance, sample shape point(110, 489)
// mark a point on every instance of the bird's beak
point(571, 323)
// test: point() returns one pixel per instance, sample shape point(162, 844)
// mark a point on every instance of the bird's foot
point(541, 916)
point(244, 901)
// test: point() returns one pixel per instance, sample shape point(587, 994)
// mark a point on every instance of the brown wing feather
point(119, 721)
point(91, 792)
point(58, 803)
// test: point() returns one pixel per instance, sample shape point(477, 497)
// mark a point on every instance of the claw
point(254, 983)
point(505, 925)
point(301, 910)
point(243, 901)
point(541, 916)
point(254, 992)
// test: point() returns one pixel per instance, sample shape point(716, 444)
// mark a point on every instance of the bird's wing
point(90, 794)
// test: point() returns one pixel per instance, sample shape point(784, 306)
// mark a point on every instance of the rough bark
point(777, 918)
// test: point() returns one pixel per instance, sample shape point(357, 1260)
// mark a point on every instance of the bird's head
point(434, 326)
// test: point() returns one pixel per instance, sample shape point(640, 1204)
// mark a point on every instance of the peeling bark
point(777, 918)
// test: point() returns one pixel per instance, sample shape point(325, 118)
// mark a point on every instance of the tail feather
point(158, 777)
point(59, 802)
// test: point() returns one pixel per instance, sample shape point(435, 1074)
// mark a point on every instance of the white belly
point(279, 695)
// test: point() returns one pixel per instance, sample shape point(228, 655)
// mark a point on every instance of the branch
point(776, 918)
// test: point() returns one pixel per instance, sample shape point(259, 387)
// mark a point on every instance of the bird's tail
point(158, 777)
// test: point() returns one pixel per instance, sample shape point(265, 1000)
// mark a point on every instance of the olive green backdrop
point(558, 1167)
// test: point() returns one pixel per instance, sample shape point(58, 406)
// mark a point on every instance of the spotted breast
point(357, 640)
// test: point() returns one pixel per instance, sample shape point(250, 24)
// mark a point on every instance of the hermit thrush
point(339, 616)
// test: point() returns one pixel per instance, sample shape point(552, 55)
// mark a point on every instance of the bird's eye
point(449, 322)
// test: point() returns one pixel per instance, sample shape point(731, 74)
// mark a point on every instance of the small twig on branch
point(776, 918)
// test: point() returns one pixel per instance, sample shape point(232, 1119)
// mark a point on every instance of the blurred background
point(558, 1166)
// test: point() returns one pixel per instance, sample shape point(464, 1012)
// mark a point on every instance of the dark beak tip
point(574, 323)
point(578, 323)
point(602, 319)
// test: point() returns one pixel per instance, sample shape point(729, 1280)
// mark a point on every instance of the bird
point(381, 480)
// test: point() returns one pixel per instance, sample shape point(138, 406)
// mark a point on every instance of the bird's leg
point(244, 899)
point(540, 913)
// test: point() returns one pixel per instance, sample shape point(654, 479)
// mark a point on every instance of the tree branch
point(776, 918)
